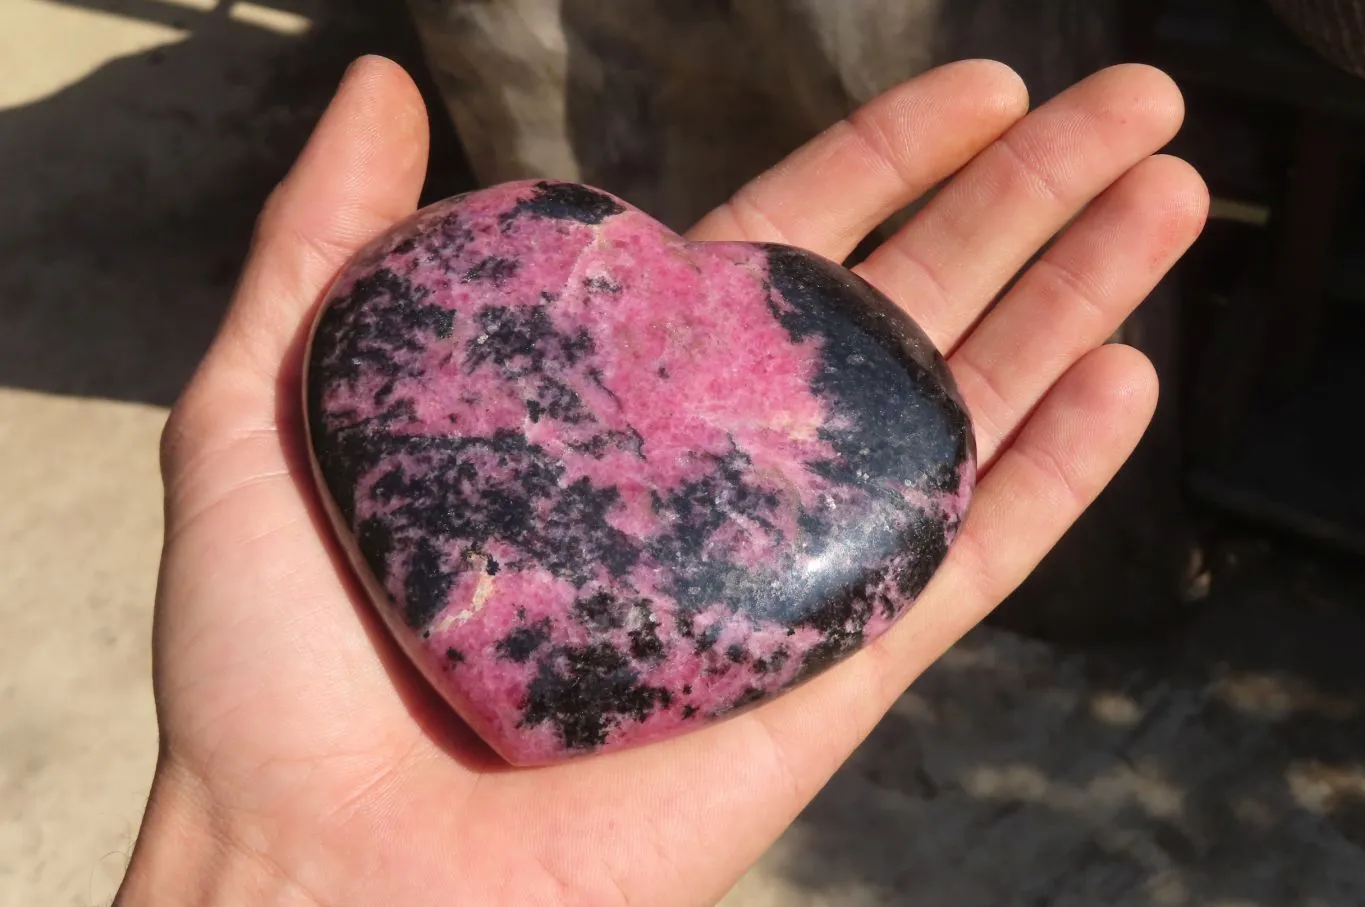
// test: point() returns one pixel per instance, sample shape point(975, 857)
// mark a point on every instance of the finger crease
point(943, 300)
point(787, 776)
point(1039, 459)
point(184, 524)
point(1042, 180)
point(980, 573)
point(745, 209)
point(269, 436)
point(986, 418)
point(868, 133)
point(1070, 282)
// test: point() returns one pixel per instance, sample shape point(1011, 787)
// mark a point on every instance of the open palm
point(304, 761)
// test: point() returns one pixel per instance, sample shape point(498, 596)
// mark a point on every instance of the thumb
point(361, 171)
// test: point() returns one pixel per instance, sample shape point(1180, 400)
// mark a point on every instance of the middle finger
point(1074, 297)
point(950, 261)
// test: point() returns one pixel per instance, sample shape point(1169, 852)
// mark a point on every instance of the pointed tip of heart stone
point(606, 485)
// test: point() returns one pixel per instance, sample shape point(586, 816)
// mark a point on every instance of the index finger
point(837, 188)
point(361, 171)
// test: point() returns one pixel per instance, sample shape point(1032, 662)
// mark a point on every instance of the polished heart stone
point(606, 485)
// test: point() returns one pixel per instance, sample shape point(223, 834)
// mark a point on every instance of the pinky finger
point(1072, 445)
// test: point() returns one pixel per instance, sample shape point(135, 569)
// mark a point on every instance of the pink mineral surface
point(607, 485)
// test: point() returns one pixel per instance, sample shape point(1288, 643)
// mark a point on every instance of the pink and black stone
point(606, 485)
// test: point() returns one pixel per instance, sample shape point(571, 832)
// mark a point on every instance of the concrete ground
point(137, 137)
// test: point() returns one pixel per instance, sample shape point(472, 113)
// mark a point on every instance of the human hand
point(304, 761)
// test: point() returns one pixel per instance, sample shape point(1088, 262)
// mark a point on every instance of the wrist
point(184, 856)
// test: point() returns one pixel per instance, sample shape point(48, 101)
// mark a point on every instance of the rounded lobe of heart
point(606, 485)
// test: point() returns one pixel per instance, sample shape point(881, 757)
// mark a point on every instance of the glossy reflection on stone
point(606, 485)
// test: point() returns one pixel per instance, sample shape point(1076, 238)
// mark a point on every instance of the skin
point(303, 761)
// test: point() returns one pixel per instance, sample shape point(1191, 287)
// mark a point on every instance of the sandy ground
point(137, 137)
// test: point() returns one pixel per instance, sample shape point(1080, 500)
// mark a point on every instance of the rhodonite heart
point(606, 485)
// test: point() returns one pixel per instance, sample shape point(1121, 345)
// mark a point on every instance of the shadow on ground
point(131, 194)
